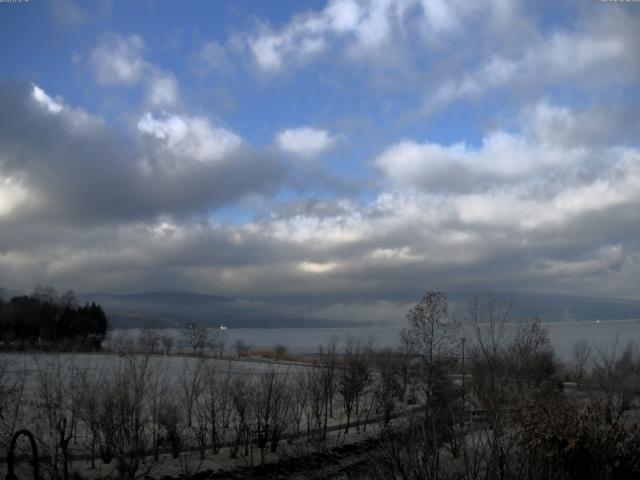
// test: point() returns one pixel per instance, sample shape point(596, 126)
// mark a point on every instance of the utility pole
point(463, 341)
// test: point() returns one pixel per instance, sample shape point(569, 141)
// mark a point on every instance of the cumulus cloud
point(550, 142)
point(162, 91)
point(210, 57)
point(118, 59)
point(185, 138)
point(585, 56)
point(305, 141)
point(501, 157)
point(41, 97)
point(76, 169)
point(362, 29)
point(12, 195)
point(370, 24)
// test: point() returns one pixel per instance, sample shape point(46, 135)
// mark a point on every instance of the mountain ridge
point(171, 308)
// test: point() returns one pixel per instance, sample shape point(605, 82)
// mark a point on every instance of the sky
point(353, 152)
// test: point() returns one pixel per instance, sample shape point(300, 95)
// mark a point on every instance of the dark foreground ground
point(339, 463)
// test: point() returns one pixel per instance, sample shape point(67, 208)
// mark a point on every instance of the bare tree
point(194, 337)
point(167, 343)
point(491, 321)
point(242, 349)
point(169, 419)
point(217, 342)
point(124, 417)
point(89, 407)
point(158, 392)
point(213, 396)
point(321, 380)
point(12, 387)
point(280, 352)
point(388, 385)
point(225, 396)
point(432, 339)
point(241, 399)
point(55, 409)
point(432, 333)
point(354, 377)
point(581, 356)
point(149, 339)
point(191, 382)
point(270, 410)
point(530, 356)
point(617, 374)
point(300, 398)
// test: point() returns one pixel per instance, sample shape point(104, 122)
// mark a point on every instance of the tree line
point(48, 320)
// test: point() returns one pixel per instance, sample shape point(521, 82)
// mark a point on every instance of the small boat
point(222, 327)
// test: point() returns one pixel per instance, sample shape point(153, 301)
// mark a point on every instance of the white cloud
point(265, 51)
point(361, 29)
point(550, 139)
point(162, 90)
point(441, 15)
point(13, 195)
point(315, 267)
point(305, 141)
point(75, 119)
point(45, 100)
point(187, 138)
point(347, 228)
point(502, 155)
point(211, 57)
point(307, 35)
point(549, 59)
point(118, 59)
point(344, 15)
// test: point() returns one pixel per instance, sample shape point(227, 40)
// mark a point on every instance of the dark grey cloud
point(78, 170)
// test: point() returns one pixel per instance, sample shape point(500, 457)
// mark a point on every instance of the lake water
point(563, 336)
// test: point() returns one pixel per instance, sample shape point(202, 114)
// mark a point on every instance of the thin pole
point(463, 340)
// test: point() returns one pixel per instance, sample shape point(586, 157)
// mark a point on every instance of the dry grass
point(277, 352)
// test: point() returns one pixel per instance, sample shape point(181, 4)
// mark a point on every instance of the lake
point(563, 335)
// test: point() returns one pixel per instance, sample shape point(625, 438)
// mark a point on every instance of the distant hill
point(170, 309)
point(175, 308)
point(557, 308)
point(567, 308)
point(183, 298)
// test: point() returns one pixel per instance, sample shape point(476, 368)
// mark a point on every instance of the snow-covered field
point(32, 366)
